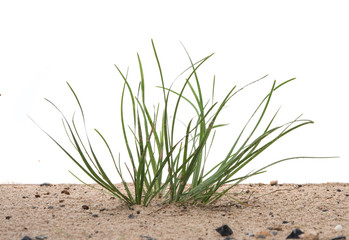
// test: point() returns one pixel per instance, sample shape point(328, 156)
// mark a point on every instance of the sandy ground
point(272, 212)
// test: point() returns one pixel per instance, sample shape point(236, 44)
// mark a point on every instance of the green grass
point(160, 165)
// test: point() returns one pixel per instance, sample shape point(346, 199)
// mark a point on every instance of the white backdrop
point(43, 44)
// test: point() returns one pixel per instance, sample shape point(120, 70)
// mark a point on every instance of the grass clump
point(162, 166)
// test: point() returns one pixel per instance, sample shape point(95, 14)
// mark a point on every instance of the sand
point(60, 212)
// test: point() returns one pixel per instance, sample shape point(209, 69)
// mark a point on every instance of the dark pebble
point(131, 216)
point(299, 185)
point(37, 195)
point(85, 207)
point(26, 238)
point(46, 185)
point(66, 192)
point(284, 222)
point(295, 234)
point(339, 238)
point(338, 190)
point(261, 236)
point(224, 230)
point(95, 215)
point(325, 210)
point(62, 205)
point(103, 209)
point(138, 212)
point(50, 207)
point(8, 217)
point(147, 238)
point(347, 195)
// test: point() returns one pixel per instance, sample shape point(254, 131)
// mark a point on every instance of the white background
point(43, 44)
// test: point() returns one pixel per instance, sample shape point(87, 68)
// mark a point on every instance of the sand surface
point(57, 212)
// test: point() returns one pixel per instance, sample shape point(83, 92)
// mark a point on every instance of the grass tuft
point(154, 150)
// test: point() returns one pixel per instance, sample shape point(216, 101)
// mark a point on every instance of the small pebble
point(8, 217)
point(295, 234)
point(131, 216)
point(50, 207)
point(250, 234)
point(41, 237)
point(275, 228)
point(46, 185)
point(338, 228)
point(26, 238)
point(339, 238)
point(66, 192)
point(94, 215)
point(274, 183)
point(224, 230)
point(147, 238)
point(37, 195)
point(263, 234)
point(85, 207)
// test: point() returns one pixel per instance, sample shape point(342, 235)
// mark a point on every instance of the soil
point(74, 211)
